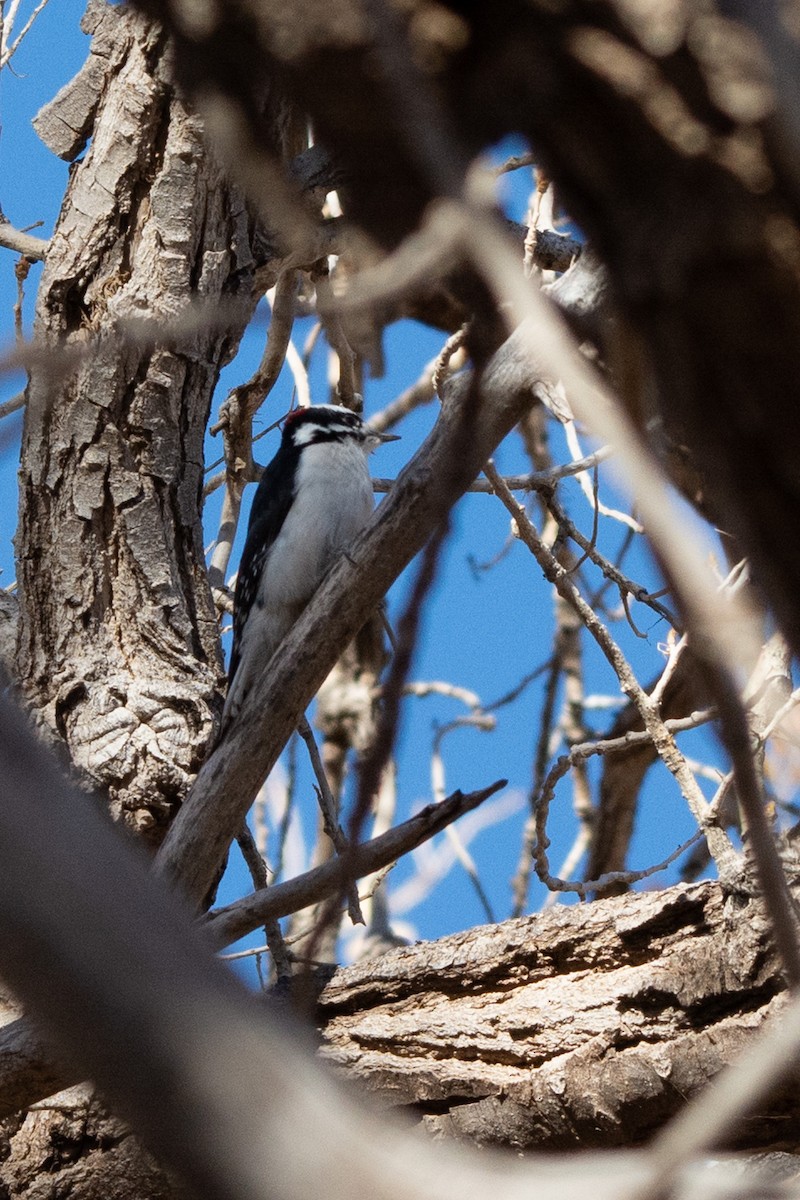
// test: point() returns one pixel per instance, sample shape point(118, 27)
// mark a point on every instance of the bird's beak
point(384, 437)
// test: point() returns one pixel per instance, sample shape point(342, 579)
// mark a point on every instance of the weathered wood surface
point(581, 1026)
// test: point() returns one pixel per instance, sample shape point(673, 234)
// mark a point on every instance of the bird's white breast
point(332, 504)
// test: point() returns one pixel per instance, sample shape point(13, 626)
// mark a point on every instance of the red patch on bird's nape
point(293, 415)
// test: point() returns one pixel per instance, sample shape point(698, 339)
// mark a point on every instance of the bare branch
point(22, 243)
point(8, 51)
point(626, 586)
point(228, 924)
point(536, 481)
point(258, 873)
point(236, 422)
point(330, 818)
point(719, 843)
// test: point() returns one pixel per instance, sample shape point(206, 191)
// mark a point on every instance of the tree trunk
point(118, 641)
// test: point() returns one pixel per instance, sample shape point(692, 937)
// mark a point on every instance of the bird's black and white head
point(322, 423)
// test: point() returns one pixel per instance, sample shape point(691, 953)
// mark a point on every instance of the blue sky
point(482, 629)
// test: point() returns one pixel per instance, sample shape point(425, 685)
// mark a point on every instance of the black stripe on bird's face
point(322, 423)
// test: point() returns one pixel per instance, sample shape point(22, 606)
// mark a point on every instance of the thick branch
point(585, 1026)
point(133, 999)
point(537, 1031)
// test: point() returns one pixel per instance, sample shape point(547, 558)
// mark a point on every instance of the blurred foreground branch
point(214, 1081)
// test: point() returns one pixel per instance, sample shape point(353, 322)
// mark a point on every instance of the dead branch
point(719, 844)
point(228, 924)
point(624, 769)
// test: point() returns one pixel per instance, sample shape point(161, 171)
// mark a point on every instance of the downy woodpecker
point(314, 498)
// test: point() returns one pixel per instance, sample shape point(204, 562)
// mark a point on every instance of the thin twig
point(439, 789)
point(520, 883)
point(372, 765)
point(575, 855)
point(13, 405)
point(330, 817)
point(299, 374)
point(444, 364)
point(535, 221)
point(579, 753)
point(21, 270)
point(590, 494)
point(628, 878)
point(608, 568)
point(22, 243)
point(514, 163)
point(336, 337)
point(719, 844)
point(236, 423)
point(286, 816)
point(772, 729)
point(258, 873)
point(675, 652)
point(534, 481)
point(376, 907)
point(8, 52)
point(421, 392)
point(436, 687)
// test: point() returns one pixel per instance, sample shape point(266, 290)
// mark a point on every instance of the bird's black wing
point(271, 503)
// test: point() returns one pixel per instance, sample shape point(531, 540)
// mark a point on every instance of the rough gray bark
point(582, 1026)
point(118, 644)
